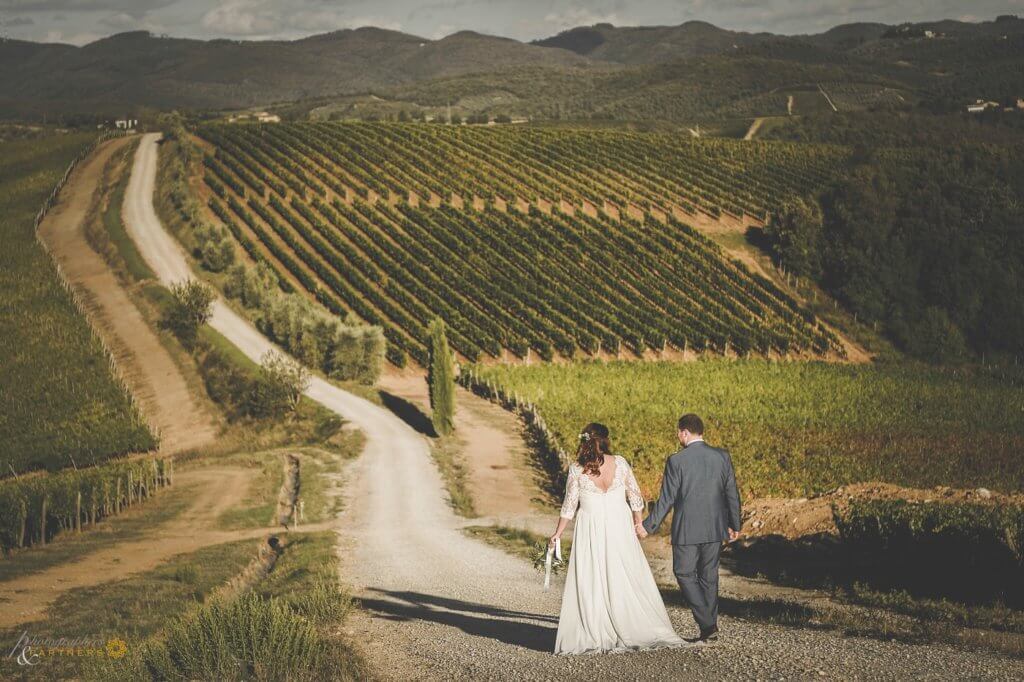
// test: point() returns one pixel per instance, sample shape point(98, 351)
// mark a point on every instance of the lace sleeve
point(633, 495)
point(572, 494)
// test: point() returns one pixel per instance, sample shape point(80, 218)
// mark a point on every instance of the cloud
point(576, 15)
point(241, 17)
point(519, 19)
point(79, 38)
point(17, 22)
point(268, 18)
point(133, 7)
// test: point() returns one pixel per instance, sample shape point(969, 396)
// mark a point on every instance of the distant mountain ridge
point(138, 69)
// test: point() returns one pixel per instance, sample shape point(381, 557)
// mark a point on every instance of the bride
point(611, 602)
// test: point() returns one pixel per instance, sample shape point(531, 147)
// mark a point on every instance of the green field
point(59, 403)
point(793, 428)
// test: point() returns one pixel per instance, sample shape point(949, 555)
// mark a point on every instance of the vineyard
point(34, 509)
point(524, 241)
point(60, 402)
point(792, 428)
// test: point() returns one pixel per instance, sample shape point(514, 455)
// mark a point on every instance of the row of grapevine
point(341, 221)
point(33, 509)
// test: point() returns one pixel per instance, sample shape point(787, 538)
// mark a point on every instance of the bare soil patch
point(501, 479)
point(217, 490)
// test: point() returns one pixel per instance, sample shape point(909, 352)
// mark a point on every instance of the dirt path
point(501, 481)
point(438, 605)
point(151, 374)
point(27, 598)
point(754, 127)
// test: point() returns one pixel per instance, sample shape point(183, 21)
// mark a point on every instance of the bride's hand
point(552, 540)
point(641, 532)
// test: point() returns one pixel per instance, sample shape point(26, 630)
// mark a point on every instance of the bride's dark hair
point(594, 447)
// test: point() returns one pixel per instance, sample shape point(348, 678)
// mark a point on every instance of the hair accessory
point(584, 436)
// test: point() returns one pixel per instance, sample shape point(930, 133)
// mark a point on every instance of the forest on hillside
point(923, 233)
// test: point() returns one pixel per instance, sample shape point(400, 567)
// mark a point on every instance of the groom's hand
point(734, 535)
point(641, 532)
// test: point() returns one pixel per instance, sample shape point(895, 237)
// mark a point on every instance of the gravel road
point(438, 605)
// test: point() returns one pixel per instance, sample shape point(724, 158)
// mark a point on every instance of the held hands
point(641, 532)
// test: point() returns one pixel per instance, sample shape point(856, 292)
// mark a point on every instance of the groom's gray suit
point(700, 486)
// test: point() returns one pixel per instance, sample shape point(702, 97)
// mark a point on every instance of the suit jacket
point(700, 486)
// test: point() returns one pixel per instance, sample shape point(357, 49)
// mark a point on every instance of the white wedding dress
point(611, 602)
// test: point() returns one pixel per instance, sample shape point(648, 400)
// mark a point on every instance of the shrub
point(245, 639)
point(190, 308)
point(285, 378)
point(216, 250)
point(962, 550)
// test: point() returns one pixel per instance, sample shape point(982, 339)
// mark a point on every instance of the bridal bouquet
point(549, 560)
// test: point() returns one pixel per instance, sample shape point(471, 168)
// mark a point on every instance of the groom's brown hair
point(692, 423)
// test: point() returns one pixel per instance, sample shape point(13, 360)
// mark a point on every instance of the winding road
point(438, 605)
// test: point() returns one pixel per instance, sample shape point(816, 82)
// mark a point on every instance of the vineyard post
point(117, 497)
point(92, 507)
point(42, 522)
point(131, 485)
point(24, 518)
point(78, 511)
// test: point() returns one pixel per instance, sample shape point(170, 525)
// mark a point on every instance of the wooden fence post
point(24, 518)
point(42, 523)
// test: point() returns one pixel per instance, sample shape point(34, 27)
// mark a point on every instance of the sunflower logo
point(116, 648)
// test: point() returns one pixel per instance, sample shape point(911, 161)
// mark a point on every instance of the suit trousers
point(696, 570)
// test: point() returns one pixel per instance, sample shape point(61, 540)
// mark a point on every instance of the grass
point(129, 254)
point(793, 428)
point(59, 402)
point(131, 609)
point(447, 452)
point(886, 618)
point(131, 524)
point(316, 465)
point(518, 542)
point(313, 424)
point(284, 628)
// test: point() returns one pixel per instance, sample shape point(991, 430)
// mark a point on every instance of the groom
point(700, 486)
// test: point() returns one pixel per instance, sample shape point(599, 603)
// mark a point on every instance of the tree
point(441, 380)
point(934, 338)
point(795, 232)
point(284, 381)
point(190, 308)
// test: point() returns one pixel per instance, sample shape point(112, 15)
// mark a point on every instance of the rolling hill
point(694, 71)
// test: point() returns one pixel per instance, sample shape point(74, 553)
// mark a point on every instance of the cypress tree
point(441, 380)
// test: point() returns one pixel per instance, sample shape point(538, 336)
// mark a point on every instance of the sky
point(82, 21)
